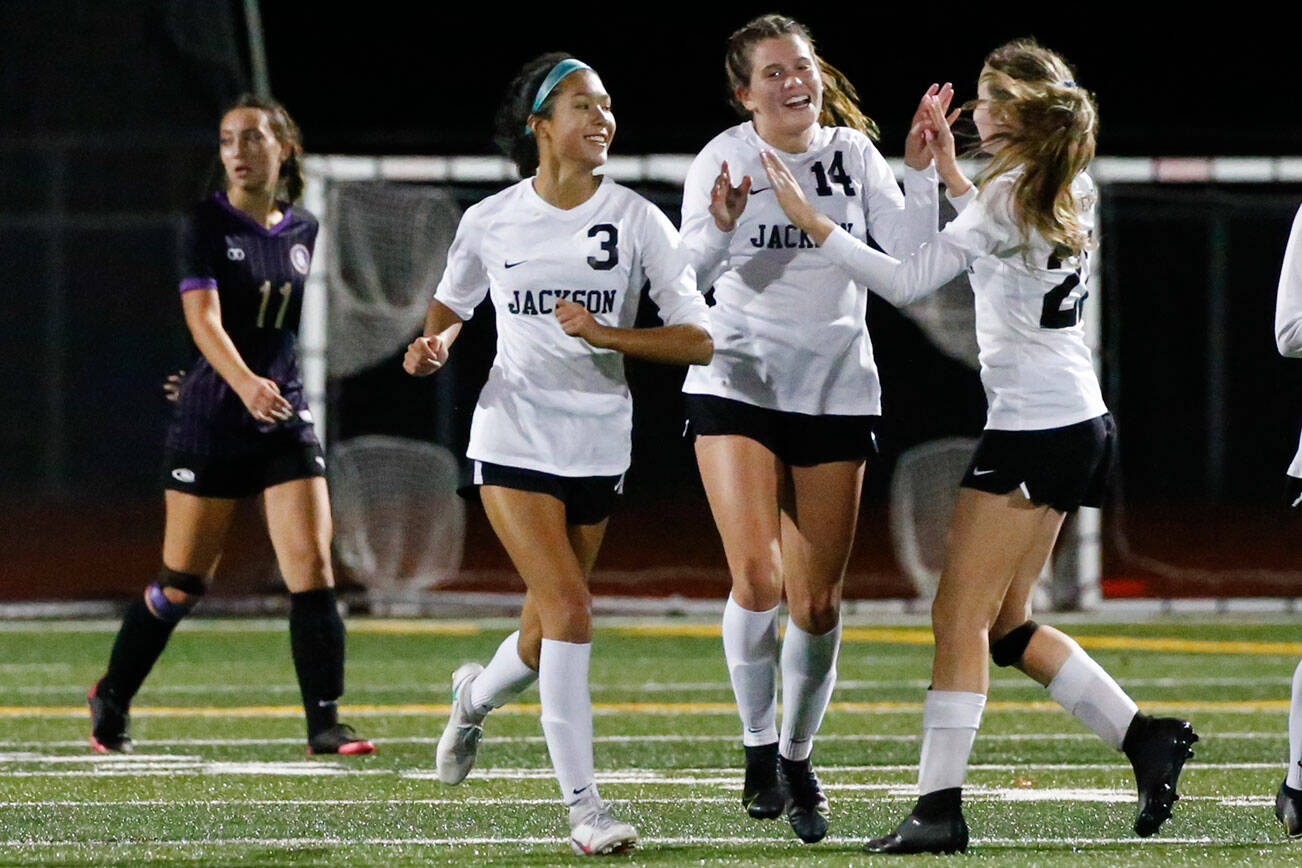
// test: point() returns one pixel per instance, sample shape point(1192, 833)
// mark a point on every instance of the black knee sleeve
point(164, 609)
point(1009, 649)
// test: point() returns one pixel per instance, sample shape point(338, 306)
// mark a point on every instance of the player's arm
point(261, 396)
point(899, 281)
point(903, 223)
point(665, 264)
point(463, 286)
point(429, 352)
point(682, 344)
point(711, 208)
point(1288, 301)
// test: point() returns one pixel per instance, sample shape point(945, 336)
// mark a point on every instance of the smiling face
point(250, 152)
point(785, 91)
point(581, 125)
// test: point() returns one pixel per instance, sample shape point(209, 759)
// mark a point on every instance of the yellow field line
point(880, 635)
point(410, 709)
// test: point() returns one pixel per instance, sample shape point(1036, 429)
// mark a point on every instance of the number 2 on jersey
point(1052, 316)
point(285, 291)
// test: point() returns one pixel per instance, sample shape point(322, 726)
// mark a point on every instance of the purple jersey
point(259, 275)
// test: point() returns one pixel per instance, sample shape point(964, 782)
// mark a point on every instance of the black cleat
point(806, 804)
point(763, 794)
point(1157, 748)
point(109, 722)
point(339, 739)
point(1288, 809)
point(936, 825)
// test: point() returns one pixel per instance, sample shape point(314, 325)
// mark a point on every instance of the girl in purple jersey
point(241, 426)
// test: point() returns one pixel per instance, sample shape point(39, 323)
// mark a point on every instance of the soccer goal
point(386, 223)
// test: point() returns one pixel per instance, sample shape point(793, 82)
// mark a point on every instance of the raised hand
point(726, 201)
point(792, 199)
point(916, 154)
point(425, 355)
point(940, 143)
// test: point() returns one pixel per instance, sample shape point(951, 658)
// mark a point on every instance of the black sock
point(1135, 733)
point(141, 640)
point(939, 804)
point(316, 635)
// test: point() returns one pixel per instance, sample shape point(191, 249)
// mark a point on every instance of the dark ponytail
point(287, 134)
point(511, 129)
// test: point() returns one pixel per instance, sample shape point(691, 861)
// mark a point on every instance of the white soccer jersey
point(552, 402)
point(1288, 312)
point(1035, 364)
point(789, 327)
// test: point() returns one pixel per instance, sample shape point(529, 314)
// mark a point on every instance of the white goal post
point(321, 171)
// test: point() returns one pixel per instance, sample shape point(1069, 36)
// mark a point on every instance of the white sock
point(1294, 777)
point(950, 719)
point(808, 676)
point(1083, 688)
point(504, 677)
point(567, 715)
point(750, 647)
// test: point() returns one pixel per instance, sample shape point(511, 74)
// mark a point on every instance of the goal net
point(1179, 315)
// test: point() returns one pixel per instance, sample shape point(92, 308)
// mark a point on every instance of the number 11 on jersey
point(286, 290)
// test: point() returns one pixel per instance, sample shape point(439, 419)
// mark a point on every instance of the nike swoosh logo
point(514, 264)
point(760, 190)
point(581, 789)
point(976, 472)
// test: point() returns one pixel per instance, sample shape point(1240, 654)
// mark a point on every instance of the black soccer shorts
point(798, 439)
point(1063, 468)
point(240, 476)
point(587, 499)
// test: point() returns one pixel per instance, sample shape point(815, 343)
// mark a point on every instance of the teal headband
point(559, 71)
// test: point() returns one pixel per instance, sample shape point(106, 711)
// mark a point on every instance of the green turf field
point(219, 775)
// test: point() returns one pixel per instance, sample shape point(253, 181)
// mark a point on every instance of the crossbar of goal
point(671, 169)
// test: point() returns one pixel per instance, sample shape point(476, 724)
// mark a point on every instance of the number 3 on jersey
point(610, 246)
point(1052, 314)
point(286, 290)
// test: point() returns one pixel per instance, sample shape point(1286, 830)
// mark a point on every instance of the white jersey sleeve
point(465, 281)
point(900, 222)
point(1288, 313)
point(666, 265)
point(1036, 364)
point(1288, 301)
point(903, 281)
point(705, 244)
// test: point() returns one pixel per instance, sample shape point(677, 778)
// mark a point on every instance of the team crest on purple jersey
point(300, 258)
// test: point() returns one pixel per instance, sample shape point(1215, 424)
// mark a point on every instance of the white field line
point(435, 686)
point(35, 667)
point(613, 709)
point(649, 738)
point(894, 792)
point(1018, 843)
point(162, 765)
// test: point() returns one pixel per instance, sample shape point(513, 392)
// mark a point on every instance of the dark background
point(108, 118)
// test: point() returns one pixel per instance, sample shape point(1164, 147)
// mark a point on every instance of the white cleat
point(595, 831)
point(459, 743)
